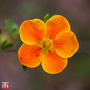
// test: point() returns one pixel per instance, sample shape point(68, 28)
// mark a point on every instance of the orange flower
point(50, 43)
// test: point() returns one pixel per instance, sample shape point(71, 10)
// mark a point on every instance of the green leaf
point(24, 67)
point(6, 45)
point(3, 43)
point(46, 17)
point(10, 24)
point(11, 27)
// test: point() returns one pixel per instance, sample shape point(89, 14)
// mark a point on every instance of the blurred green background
point(76, 76)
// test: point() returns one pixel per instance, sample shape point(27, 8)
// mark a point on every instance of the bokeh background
point(76, 76)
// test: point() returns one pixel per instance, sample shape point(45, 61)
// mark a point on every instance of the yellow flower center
point(46, 44)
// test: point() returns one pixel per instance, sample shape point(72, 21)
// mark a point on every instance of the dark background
point(76, 76)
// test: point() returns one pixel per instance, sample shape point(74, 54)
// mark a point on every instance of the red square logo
point(5, 84)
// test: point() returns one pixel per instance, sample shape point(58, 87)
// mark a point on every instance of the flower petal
point(30, 56)
point(52, 63)
point(66, 44)
point(32, 31)
point(56, 24)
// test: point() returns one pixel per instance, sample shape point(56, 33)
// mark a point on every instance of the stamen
point(46, 44)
